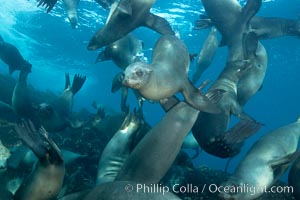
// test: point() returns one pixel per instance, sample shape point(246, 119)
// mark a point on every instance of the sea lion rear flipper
point(49, 4)
point(241, 131)
point(278, 163)
point(169, 103)
point(203, 24)
point(78, 82)
point(125, 7)
point(38, 141)
point(117, 82)
point(159, 25)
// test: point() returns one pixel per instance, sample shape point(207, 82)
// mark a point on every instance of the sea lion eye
point(139, 73)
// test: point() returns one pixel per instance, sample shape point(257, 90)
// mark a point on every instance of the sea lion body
point(206, 54)
point(123, 52)
point(120, 24)
point(117, 151)
point(46, 179)
point(71, 8)
point(266, 161)
point(252, 81)
point(166, 75)
point(56, 116)
point(10, 55)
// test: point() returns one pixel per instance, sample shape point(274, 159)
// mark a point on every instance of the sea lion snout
point(45, 110)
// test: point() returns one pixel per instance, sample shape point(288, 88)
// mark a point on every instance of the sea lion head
point(137, 74)
point(45, 110)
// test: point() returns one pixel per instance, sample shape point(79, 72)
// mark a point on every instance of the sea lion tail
point(39, 142)
point(78, 82)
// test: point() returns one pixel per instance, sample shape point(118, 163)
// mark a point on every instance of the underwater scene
point(149, 100)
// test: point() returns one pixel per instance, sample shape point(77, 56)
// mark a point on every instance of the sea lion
point(252, 81)
point(264, 27)
point(10, 55)
point(122, 52)
point(71, 8)
point(167, 75)
point(47, 177)
point(49, 4)
point(21, 98)
point(294, 178)
point(265, 162)
point(120, 24)
point(56, 116)
point(206, 54)
point(167, 139)
point(117, 150)
point(233, 25)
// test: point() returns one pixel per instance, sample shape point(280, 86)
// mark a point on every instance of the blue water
point(53, 47)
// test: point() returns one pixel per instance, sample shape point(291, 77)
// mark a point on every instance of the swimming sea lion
point(294, 178)
point(56, 116)
point(122, 52)
point(167, 139)
point(21, 98)
point(47, 177)
point(117, 150)
point(265, 162)
point(252, 81)
point(10, 55)
point(119, 25)
point(167, 75)
point(71, 8)
point(233, 24)
point(206, 54)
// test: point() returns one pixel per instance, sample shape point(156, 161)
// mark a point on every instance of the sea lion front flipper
point(124, 95)
point(249, 10)
point(117, 82)
point(196, 99)
point(103, 56)
point(241, 131)
point(125, 7)
point(203, 24)
point(49, 4)
point(280, 162)
point(250, 44)
point(159, 25)
point(77, 83)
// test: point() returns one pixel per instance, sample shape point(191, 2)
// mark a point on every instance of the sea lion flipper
point(241, 131)
point(103, 56)
point(196, 99)
point(49, 4)
point(78, 82)
point(278, 163)
point(117, 82)
point(203, 24)
point(68, 83)
point(249, 10)
point(159, 25)
point(125, 7)
point(250, 44)
point(124, 95)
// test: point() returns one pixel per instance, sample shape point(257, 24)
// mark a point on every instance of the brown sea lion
point(10, 55)
point(167, 75)
point(264, 163)
point(120, 24)
point(56, 116)
point(46, 179)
